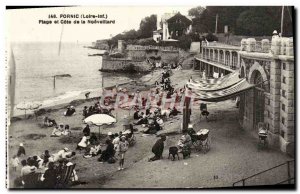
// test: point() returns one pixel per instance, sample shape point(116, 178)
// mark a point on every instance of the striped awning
point(215, 84)
point(223, 94)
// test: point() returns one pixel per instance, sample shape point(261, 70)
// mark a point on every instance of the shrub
point(210, 37)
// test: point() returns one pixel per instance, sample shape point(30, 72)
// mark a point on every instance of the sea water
point(37, 63)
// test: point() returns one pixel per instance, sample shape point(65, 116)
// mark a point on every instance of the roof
point(158, 31)
point(179, 15)
point(215, 84)
point(166, 16)
point(219, 89)
point(224, 94)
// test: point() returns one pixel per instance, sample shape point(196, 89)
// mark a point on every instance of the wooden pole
point(54, 82)
point(99, 132)
point(186, 113)
point(282, 17)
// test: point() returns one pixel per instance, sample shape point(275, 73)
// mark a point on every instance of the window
point(283, 107)
point(283, 66)
point(283, 93)
point(267, 113)
point(282, 133)
point(283, 80)
point(283, 120)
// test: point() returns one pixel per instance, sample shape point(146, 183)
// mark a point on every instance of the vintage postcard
point(150, 97)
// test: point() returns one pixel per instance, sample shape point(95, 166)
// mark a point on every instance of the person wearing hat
point(110, 136)
point(121, 149)
point(108, 153)
point(21, 150)
point(158, 148)
point(275, 34)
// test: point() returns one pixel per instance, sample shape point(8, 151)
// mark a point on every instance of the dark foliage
point(248, 21)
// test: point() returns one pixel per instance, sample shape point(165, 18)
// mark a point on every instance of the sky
point(23, 24)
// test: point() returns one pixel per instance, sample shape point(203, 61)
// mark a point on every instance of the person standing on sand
point(15, 162)
point(158, 148)
point(85, 112)
point(21, 150)
point(86, 131)
point(121, 149)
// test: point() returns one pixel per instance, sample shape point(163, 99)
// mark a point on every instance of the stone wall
point(276, 64)
point(123, 65)
point(167, 56)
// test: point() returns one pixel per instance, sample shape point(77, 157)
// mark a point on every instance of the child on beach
point(67, 130)
point(15, 162)
point(121, 149)
point(56, 132)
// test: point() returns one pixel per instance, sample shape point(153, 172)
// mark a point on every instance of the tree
point(196, 11)
point(147, 26)
point(259, 21)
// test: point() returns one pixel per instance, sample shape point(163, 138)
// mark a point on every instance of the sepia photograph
point(150, 97)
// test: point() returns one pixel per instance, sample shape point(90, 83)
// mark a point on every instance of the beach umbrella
point(28, 106)
point(99, 120)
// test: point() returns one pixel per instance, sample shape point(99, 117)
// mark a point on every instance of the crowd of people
point(96, 109)
point(49, 167)
point(114, 148)
point(153, 120)
point(60, 130)
point(116, 145)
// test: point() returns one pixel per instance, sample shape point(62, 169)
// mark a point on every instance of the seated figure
point(108, 153)
point(66, 131)
point(70, 111)
point(56, 132)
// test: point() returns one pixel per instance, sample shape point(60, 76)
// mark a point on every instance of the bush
point(184, 42)
point(147, 41)
point(210, 37)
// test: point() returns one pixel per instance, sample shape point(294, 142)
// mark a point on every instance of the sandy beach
point(234, 153)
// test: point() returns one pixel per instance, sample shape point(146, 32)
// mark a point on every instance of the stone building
point(172, 25)
point(268, 65)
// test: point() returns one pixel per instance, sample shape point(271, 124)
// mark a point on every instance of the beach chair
point(66, 176)
point(31, 181)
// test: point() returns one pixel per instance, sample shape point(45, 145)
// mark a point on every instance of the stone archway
point(256, 77)
point(256, 67)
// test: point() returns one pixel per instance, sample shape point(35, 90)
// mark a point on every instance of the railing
point(219, 62)
point(150, 47)
point(288, 180)
point(262, 48)
point(223, 44)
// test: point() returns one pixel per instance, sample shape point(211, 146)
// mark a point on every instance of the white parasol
point(99, 120)
point(28, 106)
